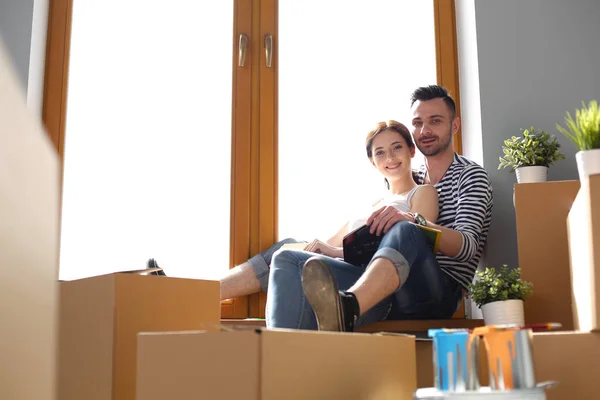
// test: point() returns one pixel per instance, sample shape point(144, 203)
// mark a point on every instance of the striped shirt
point(465, 200)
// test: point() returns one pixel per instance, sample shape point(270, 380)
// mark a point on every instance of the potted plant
point(584, 132)
point(500, 294)
point(530, 155)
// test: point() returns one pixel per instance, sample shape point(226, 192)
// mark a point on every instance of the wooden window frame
point(254, 180)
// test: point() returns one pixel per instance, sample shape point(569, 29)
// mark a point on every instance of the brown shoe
point(334, 310)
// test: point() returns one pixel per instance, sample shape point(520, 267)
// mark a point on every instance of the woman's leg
point(287, 306)
point(251, 276)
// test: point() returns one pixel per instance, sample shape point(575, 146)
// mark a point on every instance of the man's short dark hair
point(431, 92)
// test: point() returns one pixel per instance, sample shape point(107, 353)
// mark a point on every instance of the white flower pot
point(534, 173)
point(588, 163)
point(503, 312)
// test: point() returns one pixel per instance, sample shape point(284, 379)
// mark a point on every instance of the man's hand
point(319, 247)
point(384, 218)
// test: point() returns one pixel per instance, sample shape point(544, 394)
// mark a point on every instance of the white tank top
point(401, 202)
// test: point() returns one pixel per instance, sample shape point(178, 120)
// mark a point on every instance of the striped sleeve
point(474, 198)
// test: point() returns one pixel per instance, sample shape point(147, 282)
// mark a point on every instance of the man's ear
point(455, 125)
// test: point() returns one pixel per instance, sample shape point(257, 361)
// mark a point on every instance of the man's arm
point(474, 198)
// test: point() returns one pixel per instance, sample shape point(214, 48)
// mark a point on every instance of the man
point(405, 279)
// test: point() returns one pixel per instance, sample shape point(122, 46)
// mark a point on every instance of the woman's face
point(391, 154)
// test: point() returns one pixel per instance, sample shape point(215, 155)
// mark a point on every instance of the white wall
point(532, 61)
point(23, 28)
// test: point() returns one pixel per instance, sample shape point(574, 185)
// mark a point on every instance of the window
point(355, 66)
point(156, 121)
point(147, 164)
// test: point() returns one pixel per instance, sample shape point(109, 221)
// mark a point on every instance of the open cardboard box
point(541, 216)
point(584, 251)
point(278, 364)
point(101, 316)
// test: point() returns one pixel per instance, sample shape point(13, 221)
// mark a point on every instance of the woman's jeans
point(425, 291)
point(261, 262)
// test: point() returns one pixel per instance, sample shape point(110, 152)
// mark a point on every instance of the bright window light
point(344, 65)
point(148, 138)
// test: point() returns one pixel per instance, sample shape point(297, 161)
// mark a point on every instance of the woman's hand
point(319, 247)
point(384, 218)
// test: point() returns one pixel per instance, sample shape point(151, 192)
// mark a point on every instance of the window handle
point(269, 49)
point(242, 46)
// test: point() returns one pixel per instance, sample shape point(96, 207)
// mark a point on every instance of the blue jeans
point(262, 261)
point(425, 291)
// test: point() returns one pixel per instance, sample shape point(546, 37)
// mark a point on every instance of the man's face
point(433, 126)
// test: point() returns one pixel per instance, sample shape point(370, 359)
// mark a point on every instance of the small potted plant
point(584, 132)
point(530, 155)
point(500, 294)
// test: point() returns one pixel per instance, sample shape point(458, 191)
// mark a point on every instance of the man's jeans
point(425, 291)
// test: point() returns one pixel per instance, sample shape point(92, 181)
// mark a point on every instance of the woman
point(390, 149)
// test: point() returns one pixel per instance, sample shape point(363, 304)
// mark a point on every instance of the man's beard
point(434, 151)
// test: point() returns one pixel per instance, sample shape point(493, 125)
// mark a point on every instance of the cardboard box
point(101, 316)
point(584, 248)
point(425, 374)
point(571, 359)
point(275, 364)
point(541, 214)
point(29, 231)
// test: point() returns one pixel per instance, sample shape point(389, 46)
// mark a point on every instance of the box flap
point(583, 225)
point(145, 271)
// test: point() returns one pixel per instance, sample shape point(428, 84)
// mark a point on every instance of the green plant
point(532, 148)
point(494, 285)
point(584, 130)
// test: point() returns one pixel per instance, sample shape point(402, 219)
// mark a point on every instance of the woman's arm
point(332, 247)
point(336, 240)
point(425, 202)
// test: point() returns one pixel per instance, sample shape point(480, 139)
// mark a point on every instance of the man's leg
point(378, 282)
point(402, 248)
point(287, 306)
point(251, 276)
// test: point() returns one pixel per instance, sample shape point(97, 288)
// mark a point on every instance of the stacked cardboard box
point(558, 232)
point(541, 213)
point(100, 318)
point(275, 364)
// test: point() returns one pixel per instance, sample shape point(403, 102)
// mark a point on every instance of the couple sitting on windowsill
point(315, 289)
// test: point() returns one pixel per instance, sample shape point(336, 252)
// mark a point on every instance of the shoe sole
point(321, 291)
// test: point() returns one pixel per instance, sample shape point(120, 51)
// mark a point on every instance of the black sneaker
point(153, 264)
point(335, 310)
